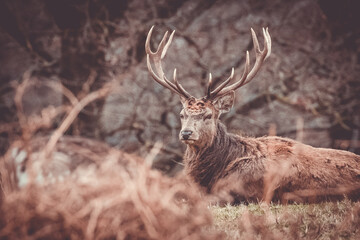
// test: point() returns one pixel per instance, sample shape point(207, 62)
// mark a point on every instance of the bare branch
point(104, 91)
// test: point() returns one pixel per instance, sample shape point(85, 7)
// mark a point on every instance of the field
point(132, 201)
point(334, 220)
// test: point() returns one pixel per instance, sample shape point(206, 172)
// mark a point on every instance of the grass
point(333, 220)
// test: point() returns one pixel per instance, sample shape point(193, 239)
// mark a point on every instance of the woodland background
point(308, 89)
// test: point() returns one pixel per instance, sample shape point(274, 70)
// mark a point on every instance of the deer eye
point(200, 104)
point(181, 116)
point(209, 116)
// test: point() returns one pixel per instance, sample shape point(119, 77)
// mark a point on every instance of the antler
point(176, 87)
point(156, 57)
point(247, 76)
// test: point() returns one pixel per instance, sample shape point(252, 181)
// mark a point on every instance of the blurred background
point(309, 89)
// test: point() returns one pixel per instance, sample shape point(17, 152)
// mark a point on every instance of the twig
point(20, 90)
point(72, 115)
point(167, 150)
point(87, 85)
point(153, 153)
point(8, 127)
point(30, 125)
point(65, 91)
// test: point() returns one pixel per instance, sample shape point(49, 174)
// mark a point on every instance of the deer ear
point(225, 102)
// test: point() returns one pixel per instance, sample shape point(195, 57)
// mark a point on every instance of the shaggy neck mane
point(207, 165)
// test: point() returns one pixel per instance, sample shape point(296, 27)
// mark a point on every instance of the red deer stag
point(265, 168)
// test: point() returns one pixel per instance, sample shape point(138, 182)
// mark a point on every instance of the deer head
point(199, 116)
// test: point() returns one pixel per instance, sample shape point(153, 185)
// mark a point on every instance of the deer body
point(265, 168)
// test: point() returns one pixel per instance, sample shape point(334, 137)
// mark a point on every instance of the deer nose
point(186, 134)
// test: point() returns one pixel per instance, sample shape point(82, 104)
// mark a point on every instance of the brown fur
point(265, 168)
point(249, 168)
point(197, 105)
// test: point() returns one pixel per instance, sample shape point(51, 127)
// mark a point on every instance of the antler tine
point(159, 80)
point(180, 87)
point(161, 46)
point(267, 41)
point(244, 75)
point(261, 55)
point(222, 85)
point(210, 83)
point(156, 56)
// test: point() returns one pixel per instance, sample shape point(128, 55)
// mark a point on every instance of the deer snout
point(185, 134)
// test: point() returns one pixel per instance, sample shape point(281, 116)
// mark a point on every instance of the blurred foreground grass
point(332, 220)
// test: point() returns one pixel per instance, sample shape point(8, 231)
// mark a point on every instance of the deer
point(263, 169)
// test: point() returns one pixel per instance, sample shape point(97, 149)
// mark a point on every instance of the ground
point(334, 220)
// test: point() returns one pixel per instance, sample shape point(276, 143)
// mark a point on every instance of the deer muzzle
point(185, 134)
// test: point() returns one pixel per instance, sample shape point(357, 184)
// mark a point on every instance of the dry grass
point(107, 195)
point(113, 202)
point(110, 202)
point(331, 220)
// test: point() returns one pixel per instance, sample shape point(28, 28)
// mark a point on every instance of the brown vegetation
point(334, 220)
point(71, 187)
point(107, 203)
